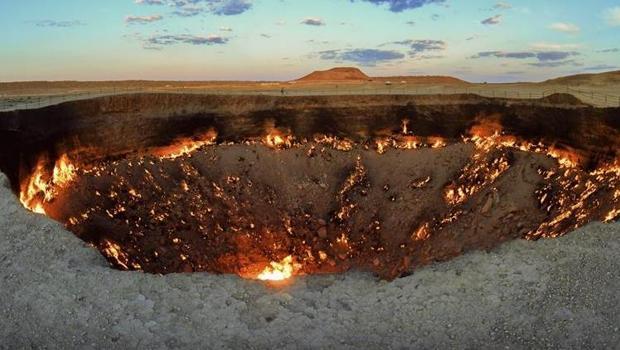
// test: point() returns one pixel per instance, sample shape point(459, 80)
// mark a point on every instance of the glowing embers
point(408, 142)
point(341, 144)
point(572, 198)
point(42, 185)
point(276, 139)
point(489, 134)
point(485, 167)
point(114, 252)
point(186, 145)
point(355, 179)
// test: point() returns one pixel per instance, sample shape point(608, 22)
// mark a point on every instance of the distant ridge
point(612, 77)
point(424, 79)
point(336, 74)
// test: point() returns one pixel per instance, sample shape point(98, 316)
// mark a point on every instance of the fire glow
point(279, 271)
point(38, 190)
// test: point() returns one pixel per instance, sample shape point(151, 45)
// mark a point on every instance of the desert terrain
point(599, 90)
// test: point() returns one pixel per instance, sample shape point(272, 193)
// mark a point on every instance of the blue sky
point(477, 40)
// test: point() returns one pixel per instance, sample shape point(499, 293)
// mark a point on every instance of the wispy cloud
point(419, 47)
point(329, 54)
point(190, 8)
point(149, 2)
point(542, 56)
point(600, 67)
point(555, 55)
point(565, 27)
point(554, 64)
point(313, 21)
point(402, 5)
point(497, 19)
point(609, 50)
point(612, 16)
point(364, 57)
point(142, 19)
point(502, 54)
point(318, 42)
point(166, 40)
point(188, 11)
point(57, 24)
point(554, 47)
point(502, 5)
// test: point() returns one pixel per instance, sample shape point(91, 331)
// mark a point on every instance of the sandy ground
point(58, 293)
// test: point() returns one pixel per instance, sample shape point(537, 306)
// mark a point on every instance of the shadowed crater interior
point(270, 187)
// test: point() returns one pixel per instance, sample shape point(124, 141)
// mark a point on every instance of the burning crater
point(268, 187)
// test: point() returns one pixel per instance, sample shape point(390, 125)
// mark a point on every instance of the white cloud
point(612, 16)
point(313, 21)
point(565, 27)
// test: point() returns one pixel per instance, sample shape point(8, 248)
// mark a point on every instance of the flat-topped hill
point(336, 74)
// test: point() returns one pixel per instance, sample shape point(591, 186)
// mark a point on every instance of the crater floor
point(267, 213)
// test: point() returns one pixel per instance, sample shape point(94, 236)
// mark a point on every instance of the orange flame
point(279, 271)
point(405, 126)
point(113, 251)
point(437, 142)
point(186, 146)
point(277, 139)
point(335, 142)
point(32, 188)
point(64, 171)
point(36, 190)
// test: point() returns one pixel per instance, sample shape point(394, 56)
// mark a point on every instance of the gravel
point(56, 292)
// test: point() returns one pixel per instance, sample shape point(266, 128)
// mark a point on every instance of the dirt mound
point(336, 74)
point(562, 99)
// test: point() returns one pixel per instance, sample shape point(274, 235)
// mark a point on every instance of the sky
point(477, 40)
